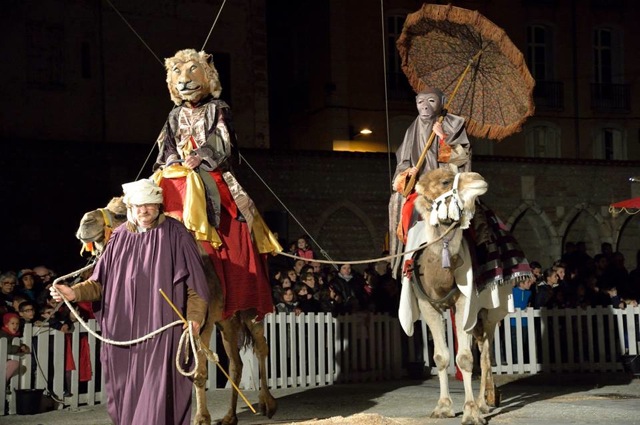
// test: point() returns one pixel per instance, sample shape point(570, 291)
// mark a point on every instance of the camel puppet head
point(445, 197)
point(96, 226)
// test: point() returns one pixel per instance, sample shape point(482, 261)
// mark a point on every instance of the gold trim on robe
point(194, 212)
point(263, 238)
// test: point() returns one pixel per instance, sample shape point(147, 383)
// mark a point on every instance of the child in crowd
point(10, 330)
point(27, 312)
point(288, 302)
point(306, 302)
point(27, 285)
point(304, 249)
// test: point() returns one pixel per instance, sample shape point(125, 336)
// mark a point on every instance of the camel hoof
point(471, 415)
point(229, 420)
point(497, 398)
point(200, 419)
point(484, 408)
point(442, 412)
point(444, 409)
point(268, 406)
point(478, 420)
point(493, 397)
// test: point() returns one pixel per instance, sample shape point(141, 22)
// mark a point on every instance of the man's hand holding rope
point(60, 292)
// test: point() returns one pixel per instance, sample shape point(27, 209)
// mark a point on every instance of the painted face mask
point(429, 104)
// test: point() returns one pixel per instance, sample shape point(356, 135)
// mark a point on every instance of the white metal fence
point(318, 349)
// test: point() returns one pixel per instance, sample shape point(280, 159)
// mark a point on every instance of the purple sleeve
point(188, 263)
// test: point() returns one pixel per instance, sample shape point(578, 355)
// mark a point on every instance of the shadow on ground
point(414, 399)
point(519, 390)
point(302, 404)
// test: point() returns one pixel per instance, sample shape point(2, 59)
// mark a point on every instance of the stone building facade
point(86, 98)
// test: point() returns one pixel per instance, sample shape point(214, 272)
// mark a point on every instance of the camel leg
point(484, 335)
point(464, 359)
point(441, 357)
point(268, 404)
point(230, 330)
point(202, 416)
point(488, 394)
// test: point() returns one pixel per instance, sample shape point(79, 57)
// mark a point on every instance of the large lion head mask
point(191, 76)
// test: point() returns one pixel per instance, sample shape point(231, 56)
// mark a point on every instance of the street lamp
point(363, 132)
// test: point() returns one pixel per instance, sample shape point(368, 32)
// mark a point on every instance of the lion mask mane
point(184, 80)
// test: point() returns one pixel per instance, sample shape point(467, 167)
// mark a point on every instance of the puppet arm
point(400, 182)
point(167, 151)
point(196, 307)
point(89, 290)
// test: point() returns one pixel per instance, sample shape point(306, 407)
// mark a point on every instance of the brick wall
point(339, 198)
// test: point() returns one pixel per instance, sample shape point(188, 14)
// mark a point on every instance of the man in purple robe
point(147, 253)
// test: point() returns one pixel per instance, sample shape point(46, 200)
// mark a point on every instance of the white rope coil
point(195, 347)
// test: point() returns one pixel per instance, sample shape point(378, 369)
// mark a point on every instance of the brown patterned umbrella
point(471, 60)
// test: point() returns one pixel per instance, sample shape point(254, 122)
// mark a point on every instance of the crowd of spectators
point(25, 299)
point(580, 280)
point(304, 285)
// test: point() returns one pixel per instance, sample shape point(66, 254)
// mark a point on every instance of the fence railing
point(318, 349)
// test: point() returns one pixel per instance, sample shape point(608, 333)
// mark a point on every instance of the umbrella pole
point(423, 155)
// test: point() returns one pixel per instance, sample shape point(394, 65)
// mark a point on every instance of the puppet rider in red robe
point(194, 169)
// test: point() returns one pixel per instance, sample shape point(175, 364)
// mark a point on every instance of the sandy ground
point(532, 400)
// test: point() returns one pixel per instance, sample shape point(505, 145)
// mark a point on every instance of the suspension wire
point(144, 164)
point(214, 24)
point(153, 146)
point(134, 31)
point(386, 94)
point(322, 251)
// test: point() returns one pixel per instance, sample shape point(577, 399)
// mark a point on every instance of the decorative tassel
point(454, 210)
point(446, 260)
point(442, 211)
point(466, 219)
point(87, 247)
point(433, 219)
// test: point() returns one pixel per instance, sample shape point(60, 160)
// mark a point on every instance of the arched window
point(539, 52)
point(608, 89)
point(610, 143)
point(548, 93)
point(542, 140)
point(607, 55)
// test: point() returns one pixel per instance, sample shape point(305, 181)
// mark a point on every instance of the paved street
point(532, 400)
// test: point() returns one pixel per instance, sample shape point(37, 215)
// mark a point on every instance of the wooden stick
point(216, 362)
point(173, 306)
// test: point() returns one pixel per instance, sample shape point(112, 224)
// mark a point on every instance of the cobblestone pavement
point(533, 400)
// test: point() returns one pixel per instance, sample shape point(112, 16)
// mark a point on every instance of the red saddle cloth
point(241, 269)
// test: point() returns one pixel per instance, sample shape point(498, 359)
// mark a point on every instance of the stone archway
point(579, 226)
point(347, 219)
point(535, 233)
point(626, 240)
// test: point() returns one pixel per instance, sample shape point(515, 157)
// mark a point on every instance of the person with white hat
point(148, 253)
